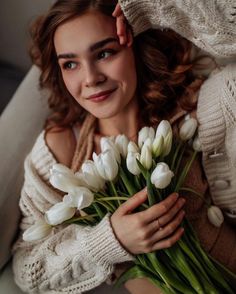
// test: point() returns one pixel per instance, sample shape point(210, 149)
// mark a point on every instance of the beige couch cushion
point(20, 123)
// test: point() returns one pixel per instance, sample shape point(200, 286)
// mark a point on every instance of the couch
point(20, 124)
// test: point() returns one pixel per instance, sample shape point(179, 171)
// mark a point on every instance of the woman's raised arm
point(210, 25)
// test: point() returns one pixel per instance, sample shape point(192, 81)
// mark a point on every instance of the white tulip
point(132, 147)
point(81, 180)
point(215, 215)
point(122, 142)
point(79, 197)
point(63, 178)
point(91, 176)
point(108, 144)
point(131, 163)
point(60, 168)
point(64, 182)
point(188, 129)
point(197, 144)
point(38, 231)
point(144, 133)
point(146, 154)
point(58, 213)
point(106, 165)
point(161, 176)
point(157, 146)
point(164, 129)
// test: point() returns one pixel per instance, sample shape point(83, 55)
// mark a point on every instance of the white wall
point(15, 17)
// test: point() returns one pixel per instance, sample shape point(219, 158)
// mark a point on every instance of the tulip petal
point(58, 213)
point(38, 231)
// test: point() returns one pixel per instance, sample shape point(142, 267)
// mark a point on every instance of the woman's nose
point(93, 76)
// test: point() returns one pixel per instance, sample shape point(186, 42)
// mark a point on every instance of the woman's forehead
point(84, 31)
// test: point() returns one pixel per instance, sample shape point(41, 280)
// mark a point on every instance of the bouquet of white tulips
point(121, 170)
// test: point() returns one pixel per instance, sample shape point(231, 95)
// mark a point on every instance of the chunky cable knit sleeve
point(210, 25)
point(73, 258)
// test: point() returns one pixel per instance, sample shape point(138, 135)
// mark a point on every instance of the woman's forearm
point(210, 25)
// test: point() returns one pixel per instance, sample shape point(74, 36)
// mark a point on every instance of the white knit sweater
point(74, 259)
point(209, 24)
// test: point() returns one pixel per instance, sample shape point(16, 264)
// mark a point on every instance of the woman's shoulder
point(61, 142)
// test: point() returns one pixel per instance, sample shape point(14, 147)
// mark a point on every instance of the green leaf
point(185, 172)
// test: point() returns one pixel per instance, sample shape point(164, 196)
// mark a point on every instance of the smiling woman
point(100, 86)
point(98, 72)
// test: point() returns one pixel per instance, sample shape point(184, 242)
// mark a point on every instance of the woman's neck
point(126, 122)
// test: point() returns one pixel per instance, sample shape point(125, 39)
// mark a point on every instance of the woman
point(102, 88)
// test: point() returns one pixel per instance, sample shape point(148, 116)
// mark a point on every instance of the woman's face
point(97, 71)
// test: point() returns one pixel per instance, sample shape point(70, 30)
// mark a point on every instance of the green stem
point(151, 196)
point(113, 189)
point(185, 172)
point(175, 155)
point(131, 190)
point(80, 218)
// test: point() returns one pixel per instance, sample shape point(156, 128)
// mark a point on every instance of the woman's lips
point(101, 96)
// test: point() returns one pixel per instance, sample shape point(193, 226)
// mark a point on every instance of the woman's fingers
point(160, 209)
point(133, 202)
point(169, 229)
point(168, 242)
point(117, 12)
point(167, 217)
point(121, 25)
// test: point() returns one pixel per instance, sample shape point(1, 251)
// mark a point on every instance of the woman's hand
point(121, 26)
point(152, 229)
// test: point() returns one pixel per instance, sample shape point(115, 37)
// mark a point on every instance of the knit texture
point(210, 25)
point(217, 132)
point(73, 258)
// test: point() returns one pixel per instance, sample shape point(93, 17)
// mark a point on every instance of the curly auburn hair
point(164, 67)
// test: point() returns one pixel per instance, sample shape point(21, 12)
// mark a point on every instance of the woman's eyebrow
point(102, 43)
point(92, 48)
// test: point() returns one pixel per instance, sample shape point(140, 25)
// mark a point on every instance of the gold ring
point(159, 226)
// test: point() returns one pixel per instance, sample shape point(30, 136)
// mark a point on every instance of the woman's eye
point(105, 54)
point(69, 65)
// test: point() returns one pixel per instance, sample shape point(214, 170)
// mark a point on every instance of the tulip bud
point(157, 146)
point(79, 198)
point(188, 129)
point(60, 168)
point(106, 165)
point(144, 133)
point(58, 213)
point(122, 142)
point(91, 176)
point(146, 154)
point(161, 176)
point(38, 231)
point(132, 147)
point(62, 178)
point(164, 129)
point(215, 215)
point(131, 163)
point(197, 144)
point(108, 144)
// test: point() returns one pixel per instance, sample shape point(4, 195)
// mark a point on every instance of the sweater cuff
point(102, 246)
point(139, 14)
